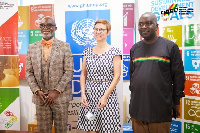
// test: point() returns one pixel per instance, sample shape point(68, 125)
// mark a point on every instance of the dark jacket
point(156, 80)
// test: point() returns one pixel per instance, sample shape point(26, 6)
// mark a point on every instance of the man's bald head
point(148, 27)
point(150, 14)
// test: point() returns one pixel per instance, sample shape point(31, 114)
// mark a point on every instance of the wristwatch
point(36, 92)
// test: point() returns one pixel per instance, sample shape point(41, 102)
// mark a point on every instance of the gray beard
point(48, 36)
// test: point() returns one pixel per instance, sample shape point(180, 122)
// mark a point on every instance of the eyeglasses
point(48, 26)
point(100, 30)
point(147, 24)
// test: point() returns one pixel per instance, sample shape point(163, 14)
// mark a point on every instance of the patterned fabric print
point(44, 117)
point(45, 72)
point(99, 77)
point(60, 70)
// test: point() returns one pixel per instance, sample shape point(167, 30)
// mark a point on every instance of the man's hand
point(41, 95)
point(51, 96)
point(176, 110)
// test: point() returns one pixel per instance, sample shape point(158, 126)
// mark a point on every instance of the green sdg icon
point(191, 128)
point(192, 35)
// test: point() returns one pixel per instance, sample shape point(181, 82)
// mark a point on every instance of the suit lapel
point(54, 51)
point(53, 59)
point(39, 56)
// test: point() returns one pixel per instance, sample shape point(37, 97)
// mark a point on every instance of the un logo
point(82, 32)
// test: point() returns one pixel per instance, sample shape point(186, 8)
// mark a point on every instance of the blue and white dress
point(100, 74)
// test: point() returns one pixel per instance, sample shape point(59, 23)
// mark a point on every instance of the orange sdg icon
point(192, 85)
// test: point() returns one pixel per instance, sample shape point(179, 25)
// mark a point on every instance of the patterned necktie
point(48, 43)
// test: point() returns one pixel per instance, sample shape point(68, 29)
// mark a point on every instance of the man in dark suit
point(49, 70)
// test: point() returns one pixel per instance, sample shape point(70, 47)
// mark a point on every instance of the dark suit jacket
point(60, 71)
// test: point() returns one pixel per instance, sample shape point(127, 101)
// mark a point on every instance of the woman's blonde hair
point(104, 21)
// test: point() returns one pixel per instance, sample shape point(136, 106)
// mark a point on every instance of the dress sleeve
point(118, 52)
point(85, 51)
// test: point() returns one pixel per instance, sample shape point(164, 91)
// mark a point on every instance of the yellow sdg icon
point(173, 34)
point(12, 118)
point(192, 112)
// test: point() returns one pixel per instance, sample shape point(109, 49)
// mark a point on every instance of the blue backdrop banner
point(79, 28)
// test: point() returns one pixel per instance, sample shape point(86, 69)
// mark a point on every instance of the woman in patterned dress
point(101, 70)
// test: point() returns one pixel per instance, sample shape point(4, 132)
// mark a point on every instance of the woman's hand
point(102, 102)
point(84, 101)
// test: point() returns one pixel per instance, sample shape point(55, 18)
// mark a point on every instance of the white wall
point(34, 2)
point(117, 41)
point(27, 108)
